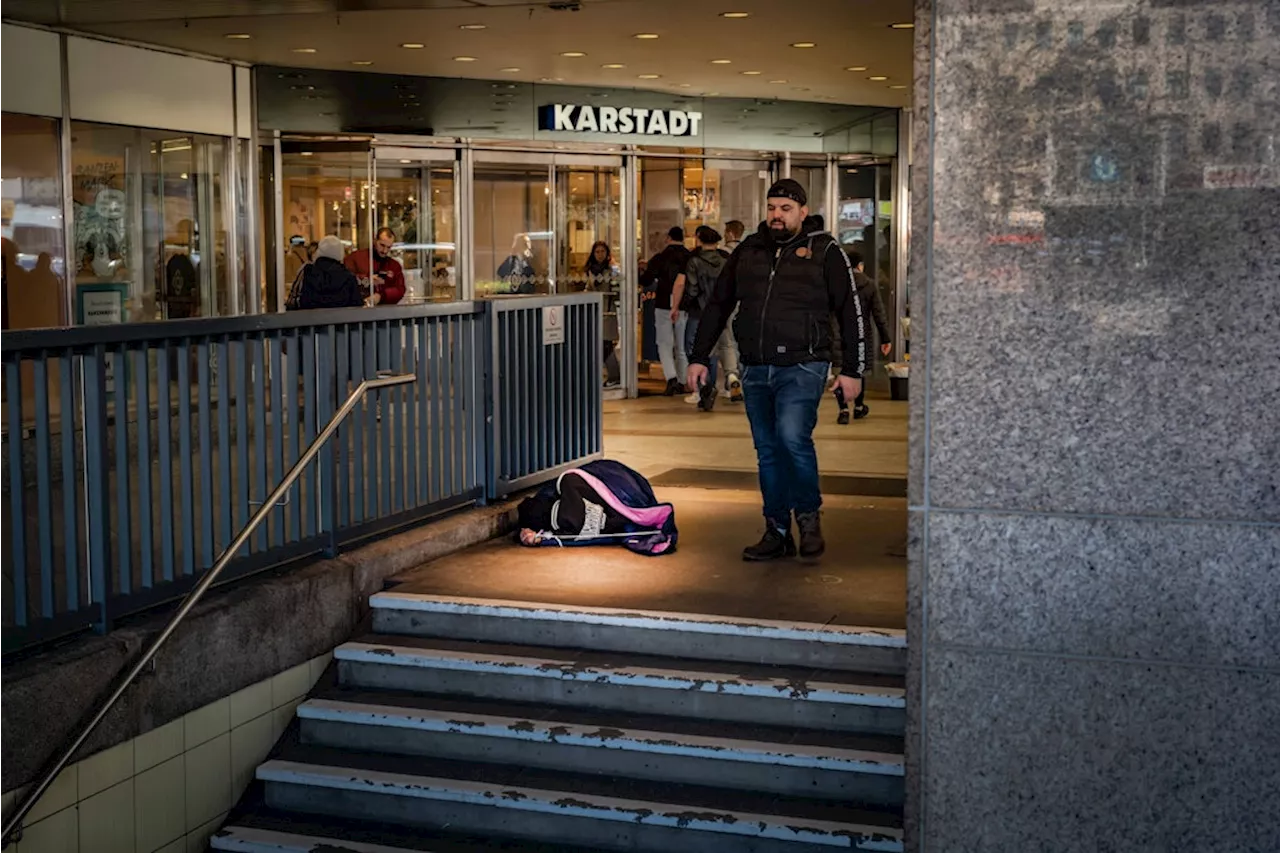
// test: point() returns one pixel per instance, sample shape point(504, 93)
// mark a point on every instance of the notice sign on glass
point(552, 325)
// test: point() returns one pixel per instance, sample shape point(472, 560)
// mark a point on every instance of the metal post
point(282, 291)
point(231, 201)
point(464, 218)
point(901, 226)
point(253, 200)
point(70, 262)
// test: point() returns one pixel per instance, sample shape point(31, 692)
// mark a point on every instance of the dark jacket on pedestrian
point(700, 274)
point(326, 283)
point(873, 307)
point(661, 272)
point(786, 293)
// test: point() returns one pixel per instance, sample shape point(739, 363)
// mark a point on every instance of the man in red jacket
point(384, 284)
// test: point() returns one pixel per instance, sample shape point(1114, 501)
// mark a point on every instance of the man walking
point(660, 276)
point(692, 292)
point(788, 278)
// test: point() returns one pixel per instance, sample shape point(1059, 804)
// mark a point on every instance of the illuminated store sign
point(576, 118)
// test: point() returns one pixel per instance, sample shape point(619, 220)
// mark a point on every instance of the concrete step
point(247, 839)
point(686, 635)
point(569, 815)
point(732, 692)
point(668, 753)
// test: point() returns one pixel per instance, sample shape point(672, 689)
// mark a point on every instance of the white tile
point(157, 746)
point(204, 724)
point(208, 781)
point(291, 684)
point(250, 745)
point(253, 701)
point(198, 839)
point(106, 820)
point(160, 803)
point(59, 833)
point(62, 793)
point(109, 767)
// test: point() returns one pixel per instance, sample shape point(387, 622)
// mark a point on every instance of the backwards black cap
point(789, 188)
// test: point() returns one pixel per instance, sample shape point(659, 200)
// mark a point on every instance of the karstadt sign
point(581, 118)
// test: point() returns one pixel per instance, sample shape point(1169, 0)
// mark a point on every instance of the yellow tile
point(204, 724)
point(198, 839)
point(62, 793)
point(319, 665)
point(179, 846)
point(160, 807)
point(284, 716)
point(9, 799)
point(208, 781)
point(109, 767)
point(59, 833)
point(253, 701)
point(106, 820)
point(157, 746)
point(291, 684)
point(250, 745)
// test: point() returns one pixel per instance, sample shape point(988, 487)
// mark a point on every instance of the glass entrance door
point(514, 242)
point(416, 196)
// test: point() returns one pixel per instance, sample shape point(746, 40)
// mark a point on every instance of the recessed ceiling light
point(362, 62)
point(238, 36)
point(413, 45)
point(406, 161)
point(464, 59)
point(752, 73)
point(803, 44)
point(898, 86)
point(734, 14)
point(645, 36)
point(878, 78)
point(904, 25)
point(472, 27)
point(648, 76)
point(306, 153)
point(799, 88)
point(777, 81)
point(710, 94)
point(685, 86)
point(510, 69)
point(573, 54)
point(304, 50)
point(856, 68)
point(721, 61)
point(613, 65)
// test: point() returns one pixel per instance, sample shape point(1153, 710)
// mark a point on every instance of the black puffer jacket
point(786, 293)
point(326, 283)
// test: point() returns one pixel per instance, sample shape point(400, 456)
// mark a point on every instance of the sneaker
point(735, 388)
point(861, 412)
point(693, 398)
point(843, 417)
point(707, 398)
point(812, 545)
point(673, 388)
point(776, 544)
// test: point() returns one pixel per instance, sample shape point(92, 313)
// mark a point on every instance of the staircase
point(475, 725)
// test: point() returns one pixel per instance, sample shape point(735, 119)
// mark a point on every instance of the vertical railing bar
point(370, 426)
point(446, 352)
point(359, 429)
point(342, 454)
point(462, 367)
point(204, 404)
point(280, 424)
point(382, 411)
point(226, 491)
point(294, 415)
point(164, 451)
point(97, 487)
point(422, 389)
point(410, 404)
point(523, 430)
point(70, 481)
point(307, 344)
point(186, 463)
point(596, 310)
point(326, 391)
point(44, 477)
point(123, 521)
point(147, 504)
point(436, 491)
point(17, 499)
point(261, 444)
point(396, 396)
point(242, 380)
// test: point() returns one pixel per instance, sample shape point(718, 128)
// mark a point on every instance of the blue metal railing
point(133, 453)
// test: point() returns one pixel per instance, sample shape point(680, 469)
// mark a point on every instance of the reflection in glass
point(325, 192)
point(34, 271)
point(417, 203)
point(589, 221)
point(513, 233)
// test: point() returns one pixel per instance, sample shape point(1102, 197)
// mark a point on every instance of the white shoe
point(692, 398)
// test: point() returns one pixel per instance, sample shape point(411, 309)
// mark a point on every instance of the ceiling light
point(752, 73)
point(573, 54)
point(413, 45)
point(721, 61)
point(898, 86)
point(464, 59)
point(799, 88)
point(304, 50)
point(406, 161)
point(878, 78)
point(777, 81)
point(803, 44)
point(648, 76)
point(734, 14)
point(472, 27)
point(306, 153)
point(362, 62)
point(613, 65)
point(645, 36)
point(905, 25)
point(238, 36)
point(852, 171)
point(509, 70)
point(685, 86)
point(856, 68)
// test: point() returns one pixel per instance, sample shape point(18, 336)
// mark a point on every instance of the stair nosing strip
point(589, 806)
point(663, 743)
point(255, 835)
point(890, 638)
point(388, 654)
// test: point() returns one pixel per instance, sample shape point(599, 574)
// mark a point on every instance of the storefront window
point(514, 240)
point(417, 203)
point(34, 247)
point(589, 220)
point(326, 192)
point(151, 228)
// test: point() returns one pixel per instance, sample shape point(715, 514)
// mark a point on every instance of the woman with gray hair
point(325, 282)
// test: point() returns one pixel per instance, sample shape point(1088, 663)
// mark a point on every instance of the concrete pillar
point(1094, 617)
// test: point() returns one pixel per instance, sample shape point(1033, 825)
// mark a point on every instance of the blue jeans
point(782, 407)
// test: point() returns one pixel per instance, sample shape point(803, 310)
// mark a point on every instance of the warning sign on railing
point(552, 325)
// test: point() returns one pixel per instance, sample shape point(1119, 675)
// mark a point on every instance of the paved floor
point(861, 581)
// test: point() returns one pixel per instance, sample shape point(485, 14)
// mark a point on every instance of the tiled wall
point(170, 789)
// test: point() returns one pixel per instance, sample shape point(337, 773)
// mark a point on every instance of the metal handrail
point(13, 822)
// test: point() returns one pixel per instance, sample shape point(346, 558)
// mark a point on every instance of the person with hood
point(789, 278)
point(873, 307)
point(692, 291)
point(668, 320)
point(326, 282)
